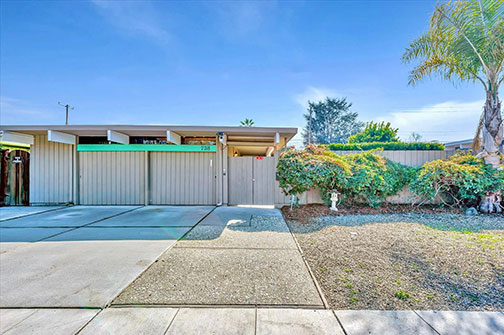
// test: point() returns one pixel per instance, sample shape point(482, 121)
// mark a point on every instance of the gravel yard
point(409, 260)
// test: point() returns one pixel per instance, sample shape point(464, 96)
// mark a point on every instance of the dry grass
point(394, 264)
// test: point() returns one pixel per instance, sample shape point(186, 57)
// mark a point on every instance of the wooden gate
point(14, 180)
point(251, 180)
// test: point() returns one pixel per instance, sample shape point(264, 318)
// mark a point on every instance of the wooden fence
point(409, 157)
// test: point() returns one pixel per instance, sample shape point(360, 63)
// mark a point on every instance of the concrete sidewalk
point(247, 321)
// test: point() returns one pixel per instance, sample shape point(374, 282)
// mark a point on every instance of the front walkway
point(235, 257)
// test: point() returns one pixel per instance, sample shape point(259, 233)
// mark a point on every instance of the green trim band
point(147, 147)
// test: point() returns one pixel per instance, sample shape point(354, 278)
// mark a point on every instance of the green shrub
point(403, 295)
point(375, 132)
point(385, 146)
point(364, 177)
point(462, 178)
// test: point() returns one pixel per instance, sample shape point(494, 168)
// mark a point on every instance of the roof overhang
point(155, 130)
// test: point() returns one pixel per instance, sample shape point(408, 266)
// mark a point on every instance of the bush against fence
point(370, 178)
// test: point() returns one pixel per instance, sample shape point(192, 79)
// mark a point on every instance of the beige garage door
point(182, 178)
point(112, 178)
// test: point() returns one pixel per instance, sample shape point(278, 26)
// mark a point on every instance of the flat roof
point(459, 142)
point(153, 130)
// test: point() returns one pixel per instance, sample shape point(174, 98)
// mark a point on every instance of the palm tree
point(465, 42)
point(247, 123)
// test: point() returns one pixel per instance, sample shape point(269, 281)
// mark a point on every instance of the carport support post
point(221, 172)
point(75, 175)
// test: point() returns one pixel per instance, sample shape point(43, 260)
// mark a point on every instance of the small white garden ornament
point(334, 199)
point(293, 202)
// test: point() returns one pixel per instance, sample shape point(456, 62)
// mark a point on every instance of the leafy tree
point(375, 132)
point(465, 42)
point(415, 137)
point(331, 122)
point(247, 123)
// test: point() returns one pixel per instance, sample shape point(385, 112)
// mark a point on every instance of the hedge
point(364, 177)
point(385, 146)
point(369, 178)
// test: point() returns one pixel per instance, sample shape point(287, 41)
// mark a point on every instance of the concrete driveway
point(83, 256)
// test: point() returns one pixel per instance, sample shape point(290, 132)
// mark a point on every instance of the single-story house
point(151, 164)
point(464, 145)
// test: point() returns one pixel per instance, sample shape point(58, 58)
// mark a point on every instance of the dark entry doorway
point(14, 178)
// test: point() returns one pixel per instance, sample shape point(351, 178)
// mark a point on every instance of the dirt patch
point(406, 261)
point(305, 212)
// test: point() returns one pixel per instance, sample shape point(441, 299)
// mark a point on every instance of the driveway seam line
point(75, 228)
point(32, 214)
point(156, 259)
point(434, 329)
point(315, 282)
point(171, 321)
point(14, 325)
point(89, 321)
point(255, 322)
point(197, 223)
point(339, 322)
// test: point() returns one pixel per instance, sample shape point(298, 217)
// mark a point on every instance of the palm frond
point(465, 41)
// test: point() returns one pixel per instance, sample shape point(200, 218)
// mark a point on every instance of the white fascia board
point(114, 136)
point(173, 137)
point(56, 136)
point(13, 137)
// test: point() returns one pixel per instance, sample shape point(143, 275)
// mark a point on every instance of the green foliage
point(462, 178)
point(364, 177)
point(247, 123)
point(465, 41)
point(385, 146)
point(332, 121)
point(375, 132)
point(403, 295)
point(299, 170)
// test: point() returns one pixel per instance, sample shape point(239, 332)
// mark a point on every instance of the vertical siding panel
point(50, 171)
point(113, 178)
point(202, 167)
point(172, 168)
point(182, 178)
point(82, 189)
point(124, 186)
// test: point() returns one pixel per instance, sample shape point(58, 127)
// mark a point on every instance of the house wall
point(51, 171)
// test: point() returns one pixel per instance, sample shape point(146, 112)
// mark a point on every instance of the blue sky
point(216, 63)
